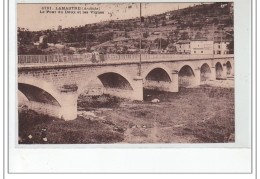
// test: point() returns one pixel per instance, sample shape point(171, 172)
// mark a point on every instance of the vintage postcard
point(129, 87)
point(125, 73)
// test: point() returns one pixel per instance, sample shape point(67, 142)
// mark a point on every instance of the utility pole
point(140, 61)
point(221, 41)
point(160, 42)
point(213, 38)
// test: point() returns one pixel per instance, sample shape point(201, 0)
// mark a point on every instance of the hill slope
point(206, 21)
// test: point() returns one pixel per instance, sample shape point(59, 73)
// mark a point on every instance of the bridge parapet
point(25, 60)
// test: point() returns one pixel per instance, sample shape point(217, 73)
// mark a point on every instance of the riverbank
point(193, 115)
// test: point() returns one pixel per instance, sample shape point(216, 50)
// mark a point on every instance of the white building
point(167, 16)
point(220, 48)
point(201, 47)
point(42, 38)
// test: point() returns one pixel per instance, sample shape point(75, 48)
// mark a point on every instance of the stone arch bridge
point(53, 87)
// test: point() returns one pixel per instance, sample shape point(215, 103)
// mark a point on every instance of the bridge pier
point(43, 108)
point(174, 87)
point(232, 70)
point(138, 93)
point(230, 73)
point(196, 81)
point(69, 99)
point(224, 72)
point(212, 74)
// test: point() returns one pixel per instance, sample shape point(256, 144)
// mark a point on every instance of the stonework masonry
point(77, 77)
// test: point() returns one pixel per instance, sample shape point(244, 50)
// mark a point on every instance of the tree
point(135, 25)
point(24, 36)
point(198, 35)
point(126, 33)
point(229, 22)
point(35, 51)
point(44, 44)
point(163, 23)
point(21, 50)
point(146, 35)
point(171, 37)
point(161, 43)
point(176, 33)
point(230, 47)
point(156, 22)
point(124, 49)
point(53, 38)
point(184, 36)
point(215, 21)
point(105, 37)
point(91, 37)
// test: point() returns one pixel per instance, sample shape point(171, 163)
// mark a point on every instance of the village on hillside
point(199, 29)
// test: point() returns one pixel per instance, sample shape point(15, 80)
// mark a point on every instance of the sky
point(30, 16)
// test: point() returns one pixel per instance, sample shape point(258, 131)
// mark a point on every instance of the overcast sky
point(29, 16)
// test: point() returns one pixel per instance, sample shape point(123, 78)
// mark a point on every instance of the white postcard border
point(24, 158)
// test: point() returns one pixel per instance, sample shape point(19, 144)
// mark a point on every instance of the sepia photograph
point(125, 73)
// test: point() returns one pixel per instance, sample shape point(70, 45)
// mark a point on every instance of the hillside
point(206, 21)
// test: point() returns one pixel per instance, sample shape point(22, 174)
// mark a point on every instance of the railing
point(108, 58)
point(25, 59)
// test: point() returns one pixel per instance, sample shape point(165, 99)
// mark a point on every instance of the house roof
point(183, 42)
point(201, 39)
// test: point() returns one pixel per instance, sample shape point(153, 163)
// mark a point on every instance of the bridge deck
point(108, 59)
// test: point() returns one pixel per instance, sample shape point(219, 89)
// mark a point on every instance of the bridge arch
point(22, 99)
point(153, 73)
point(42, 96)
point(114, 80)
point(186, 76)
point(108, 79)
point(40, 84)
point(36, 94)
point(205, 72)
point(158, 74)
point(229, 68)
point(219, 70)
point(159, 77)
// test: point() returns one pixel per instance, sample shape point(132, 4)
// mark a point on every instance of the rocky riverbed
point(204, 114)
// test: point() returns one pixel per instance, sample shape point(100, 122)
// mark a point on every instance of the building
point(220, 48)
point(183, 46)
point(43, 39)
point(59, 28)
point(201, 47)
point(167, 16)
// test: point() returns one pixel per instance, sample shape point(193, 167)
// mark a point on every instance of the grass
point(92, 102)
point(220, 126)
point(194, 115)
point(58, 131)
point(214, 130)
